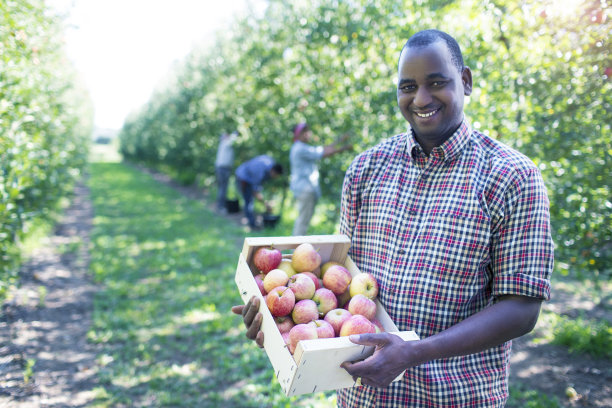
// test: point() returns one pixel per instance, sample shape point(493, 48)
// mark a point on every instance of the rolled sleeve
point(522, 247)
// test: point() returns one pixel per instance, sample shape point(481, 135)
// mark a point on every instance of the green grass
point(583, 335)
point(521, 397)
point(166, 267)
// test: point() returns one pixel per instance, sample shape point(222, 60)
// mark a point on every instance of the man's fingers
point(347, 365)
point(237, 309)
point(368, 339)
point(253, 327)
point(247, 307)
point(250, 309)
point(259, 339)
point(252, 319)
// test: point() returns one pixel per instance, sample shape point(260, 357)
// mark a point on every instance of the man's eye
point(407, 88)
point(438, 84)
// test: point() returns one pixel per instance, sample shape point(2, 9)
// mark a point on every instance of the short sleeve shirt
point(445, 235)
point(255, 171)
point(225, 152)
point(304, 169)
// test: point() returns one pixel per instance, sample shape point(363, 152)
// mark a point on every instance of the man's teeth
point(426, 115)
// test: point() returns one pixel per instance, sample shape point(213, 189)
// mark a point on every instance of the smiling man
point(431, 88)
point(454, 225)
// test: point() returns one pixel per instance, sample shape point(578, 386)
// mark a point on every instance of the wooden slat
point(319, 363)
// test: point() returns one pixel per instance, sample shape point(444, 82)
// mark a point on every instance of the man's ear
point(466, 77)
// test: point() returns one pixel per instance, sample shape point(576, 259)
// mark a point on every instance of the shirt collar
point(449, 149)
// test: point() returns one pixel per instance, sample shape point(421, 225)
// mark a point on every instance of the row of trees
point(45, 123)
point(542, 84)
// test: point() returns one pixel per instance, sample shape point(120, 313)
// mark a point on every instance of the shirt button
point(401, 251)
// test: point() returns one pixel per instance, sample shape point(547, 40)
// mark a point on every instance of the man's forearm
point(511, 317)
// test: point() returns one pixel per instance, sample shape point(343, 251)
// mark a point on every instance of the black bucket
point(232, 206)
point(270, 220)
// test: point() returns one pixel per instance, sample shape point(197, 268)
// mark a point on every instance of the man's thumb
point(366, 339)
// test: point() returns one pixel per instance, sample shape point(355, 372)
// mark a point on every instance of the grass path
point(166, 267)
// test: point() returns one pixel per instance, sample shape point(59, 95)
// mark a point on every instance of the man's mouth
point(426, 114)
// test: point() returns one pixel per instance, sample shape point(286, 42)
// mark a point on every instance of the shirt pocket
point(456, 239)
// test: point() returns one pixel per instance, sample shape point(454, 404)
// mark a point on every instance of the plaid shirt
point(444, 236)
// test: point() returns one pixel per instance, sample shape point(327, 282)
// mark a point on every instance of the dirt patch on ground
point(553, 369)
point(45, 358)
point(49, 328)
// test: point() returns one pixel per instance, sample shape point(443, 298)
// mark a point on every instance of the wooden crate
point(315, 365)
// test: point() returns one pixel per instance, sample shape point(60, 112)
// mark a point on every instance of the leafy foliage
point(44, 123)
point(542, 85)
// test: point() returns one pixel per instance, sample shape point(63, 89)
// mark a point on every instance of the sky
point(124, 48)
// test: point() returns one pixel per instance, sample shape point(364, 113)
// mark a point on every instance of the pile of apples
point(313, 301)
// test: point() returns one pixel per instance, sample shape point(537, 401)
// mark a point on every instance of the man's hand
point(511, 317)
point(252, 319)
point(382, 367)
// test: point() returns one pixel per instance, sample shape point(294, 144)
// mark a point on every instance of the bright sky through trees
point(123, 48)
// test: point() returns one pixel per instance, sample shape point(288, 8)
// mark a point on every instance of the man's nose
point(422, 98)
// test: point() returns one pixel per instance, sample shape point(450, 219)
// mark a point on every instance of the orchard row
point(45, 122)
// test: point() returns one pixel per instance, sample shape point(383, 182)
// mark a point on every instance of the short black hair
point(428, 37)
point(278, 168)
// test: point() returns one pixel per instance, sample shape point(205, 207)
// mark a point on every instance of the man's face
point(430, 92)
point(306, 136)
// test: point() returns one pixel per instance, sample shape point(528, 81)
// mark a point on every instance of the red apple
point(336, 318)
point(302, 286)
point(259, 280)
point(267, 258)
point(315, 280)
point(275, 278)
point(337, 279)
point(365, 284)
point(324, 329)
point(362, 305)
point(326, 266)
point(305, 258)
point(305, 311)
point(357, 324)
point(325, 300)
point(284, 323)
point(285, 265)
point(280, 301)
point(301, 332)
